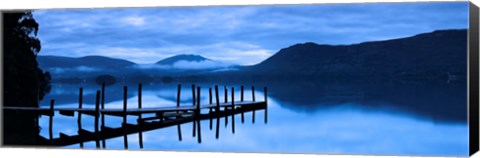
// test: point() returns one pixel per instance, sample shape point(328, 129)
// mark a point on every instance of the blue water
point(337, 119)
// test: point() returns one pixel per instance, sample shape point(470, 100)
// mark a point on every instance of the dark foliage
point(24, 83)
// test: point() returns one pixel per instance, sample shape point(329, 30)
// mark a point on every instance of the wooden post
point(266, 104)
point(217, 110)
point(140, 133)
point(241, 100)
point(210, 95)
point(103, 115)
point(226, 93)
point(253, 99)
point(225, 108)
point(125, 139)
point(253, 93)
point(50, 122)
point(197, 115)
point(193, 128)
point(193, 102)
point(79, 119)
point(193, 95)
point(97, 115)
point(210, 109)
point(141, 142)
point(233, 110)
point(125, 104)
point(241, 93)
point(140, 97)
point(179, 129)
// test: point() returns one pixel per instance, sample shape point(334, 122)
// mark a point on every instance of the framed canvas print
point(327, 79)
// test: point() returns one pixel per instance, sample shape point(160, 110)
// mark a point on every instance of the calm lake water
point(399, 118)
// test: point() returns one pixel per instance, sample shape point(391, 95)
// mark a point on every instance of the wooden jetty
point(164, 116)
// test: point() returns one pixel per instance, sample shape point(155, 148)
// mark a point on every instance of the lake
point(319, 117)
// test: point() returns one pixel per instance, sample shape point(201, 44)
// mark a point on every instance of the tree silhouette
point(24, 83)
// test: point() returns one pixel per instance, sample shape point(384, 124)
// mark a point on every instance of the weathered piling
point(226, 101)
point(253, 93)
point(253, 99)
point(103, 115)
point(124, 124)
point(197, 115)
point(140, 134)
point(266, 104)
point(225, 93)
point(217, 110)
point(210, 98)
point(103, 101)
point(193, 104)
point(193, 95)
point(233, 110)
point(50, 122)
point(124, 105)
point(79, 118)
point(241, 100)
point(179, 129)
point(97, 115)
point(140, 97)
point(210, 102)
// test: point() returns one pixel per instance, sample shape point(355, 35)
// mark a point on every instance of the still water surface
point(423, 119)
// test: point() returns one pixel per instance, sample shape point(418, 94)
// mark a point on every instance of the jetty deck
point(136, 111)
point(164, 116)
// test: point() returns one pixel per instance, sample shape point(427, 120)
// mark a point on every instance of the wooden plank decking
point(142, 126)
point(164, 116)
point(132, 111)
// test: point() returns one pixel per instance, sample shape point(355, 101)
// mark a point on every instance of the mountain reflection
point(439, 101)
point(434, 100)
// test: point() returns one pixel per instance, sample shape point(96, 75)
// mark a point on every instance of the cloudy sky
point(234, 34)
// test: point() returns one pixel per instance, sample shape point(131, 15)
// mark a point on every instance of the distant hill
point(184, 57)
point(74, 70)
point(189, 63)
point(70, 69)
point(87, 61)
point(429, 55)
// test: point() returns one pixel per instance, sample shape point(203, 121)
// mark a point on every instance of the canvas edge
point(1, 77)
point(472, 69)
point(473, 86)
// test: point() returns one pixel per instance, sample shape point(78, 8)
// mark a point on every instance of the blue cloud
point(236, 34)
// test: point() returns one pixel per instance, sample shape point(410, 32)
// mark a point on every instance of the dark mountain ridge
point(437, 54)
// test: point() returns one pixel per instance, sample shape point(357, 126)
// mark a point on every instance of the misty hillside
point(189, 63)
point(183, 57)
point(71, 69)
point(429, 55)
point(87, 61)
